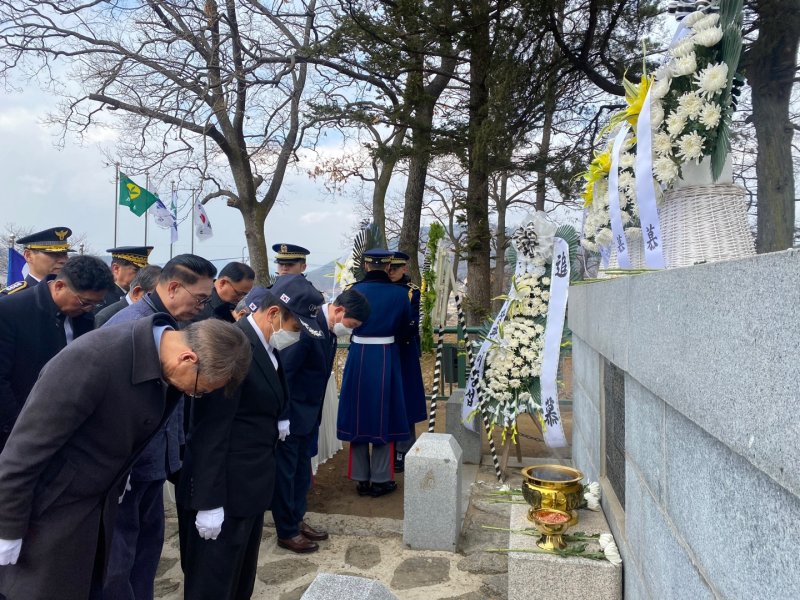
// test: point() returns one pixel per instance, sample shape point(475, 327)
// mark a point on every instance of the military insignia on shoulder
point(14, 287)
point(412, 286)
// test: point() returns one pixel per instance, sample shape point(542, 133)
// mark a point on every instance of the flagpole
point(193, 211)
point(116, 203)
point(147, 187)
point(174, 216)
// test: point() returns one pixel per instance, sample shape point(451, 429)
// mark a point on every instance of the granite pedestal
point(469, 441)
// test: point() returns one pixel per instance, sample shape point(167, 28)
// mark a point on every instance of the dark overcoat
point(94, 408)
point(105, 314)
point(307, 365)
point(410, 352)
point(371, 404)
point(31, 333)
point(230, 449)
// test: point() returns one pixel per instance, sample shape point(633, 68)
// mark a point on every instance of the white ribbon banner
point(620, 243)
point(559, 288)
point(471, 394)
point(646, 191)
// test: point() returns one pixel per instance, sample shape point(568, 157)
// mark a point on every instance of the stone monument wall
point(710, 460)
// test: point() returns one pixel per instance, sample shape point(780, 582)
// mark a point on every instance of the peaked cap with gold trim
point(289, 253)
point(53, 240)
point(136, 255)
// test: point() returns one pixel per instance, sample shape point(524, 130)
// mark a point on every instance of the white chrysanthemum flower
point(660, 88)
point(690, 105)
point(625, 180)
point(665, 169)
point(592, 502)
point(656, 114)
point(545, 281)
point(663, 72)
point(604, 237)
point(690, 146)
point(685, 65)
point(675, 124)
point(594, 488)
point(708, 37)
point(662, 143)
point(712, 80)
point(682, 48)
point(692, 18)
point(710, 115)
point(707, 22)
point(626, 160)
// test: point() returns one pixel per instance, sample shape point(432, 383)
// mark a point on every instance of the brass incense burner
point(552, 524)
point(553, 486)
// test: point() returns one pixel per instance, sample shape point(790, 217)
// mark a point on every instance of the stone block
point(599, 314)
point(586, 369)
point(586, 418)
point(550, 577)
point(644, 433)
point(432, 498)
point(469, 441)
point(737, 521)
point(327, 586)
point(718, 342)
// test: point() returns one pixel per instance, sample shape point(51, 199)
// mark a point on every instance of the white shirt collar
point(260, 334)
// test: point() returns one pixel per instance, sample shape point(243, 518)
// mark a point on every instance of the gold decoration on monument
point(553, 487)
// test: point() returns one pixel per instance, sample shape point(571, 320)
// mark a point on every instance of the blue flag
point(16, 267)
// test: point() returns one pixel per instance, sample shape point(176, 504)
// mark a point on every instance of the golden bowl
point(553, 486)
point(551, 532)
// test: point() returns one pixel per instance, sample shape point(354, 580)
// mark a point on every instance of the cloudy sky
point(45, 186)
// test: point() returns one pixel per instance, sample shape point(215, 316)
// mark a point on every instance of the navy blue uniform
point(307, 366)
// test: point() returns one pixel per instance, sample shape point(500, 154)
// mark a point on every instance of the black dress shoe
point(399, 466)
point(363, 488)
point(312, 534)
point(299, 544)
point(381, 489)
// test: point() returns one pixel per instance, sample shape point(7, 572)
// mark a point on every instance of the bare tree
point(208, 92)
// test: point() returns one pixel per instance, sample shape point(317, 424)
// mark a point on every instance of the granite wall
point(711, 424)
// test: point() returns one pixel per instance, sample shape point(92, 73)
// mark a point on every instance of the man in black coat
point(142, 283)
point(228, 473)
point(94, 408)
point(234, 282)
point(308, 365)
point(37, 323)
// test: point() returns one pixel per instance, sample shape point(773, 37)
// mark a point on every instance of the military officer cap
point(399, 259)
point(288, 254)
point(135, 255)
point(378, 256)
point(50, 240)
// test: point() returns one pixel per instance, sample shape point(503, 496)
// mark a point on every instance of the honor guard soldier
point(372, 408)
point(410, 352)
point(45, 253)
point(290, 258)
point(36, 324)
point(125, 263)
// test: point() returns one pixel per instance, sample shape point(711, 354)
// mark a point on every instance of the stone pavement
point(373, 547)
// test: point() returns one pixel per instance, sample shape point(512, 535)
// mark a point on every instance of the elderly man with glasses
point(36, 323)
point(234, 282)
point(184, 288)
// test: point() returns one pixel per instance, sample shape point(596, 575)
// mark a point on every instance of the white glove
point(283, 429)
point(127, 489)
point(9, 551)
point(209, 523)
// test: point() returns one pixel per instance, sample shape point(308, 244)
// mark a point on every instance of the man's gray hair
point(146, 278)
point(223, 351)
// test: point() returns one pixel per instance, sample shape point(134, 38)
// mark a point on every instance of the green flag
point(134, 197)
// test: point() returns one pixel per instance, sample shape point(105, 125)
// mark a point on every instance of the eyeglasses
point(194, 395)
point(239, 293)
point(201, 300)
point(86, 304)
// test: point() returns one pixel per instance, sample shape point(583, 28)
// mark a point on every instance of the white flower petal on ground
point(708, 37)
point(712, 80)
point(686, 65)
point(690, 146)
point(605, 540)
point(612, 554)
point(710, 115)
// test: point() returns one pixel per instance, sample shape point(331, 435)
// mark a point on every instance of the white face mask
point(339, 330)
point(281, 338)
